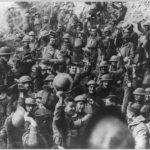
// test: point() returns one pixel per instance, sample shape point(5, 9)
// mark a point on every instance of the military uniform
point(140, 132)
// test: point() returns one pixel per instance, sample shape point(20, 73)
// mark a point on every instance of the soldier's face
point(52, 41)
point(146, 28)
point(25, 43)
point(105, 84)
point(70, 108)
point(92, 89)
point(29, 108)
point(139, 98)
point(147, 97)
point(73, 70)
point(50, 84)
point(80, 106)
point(93, 32)
point(5, 58)
point(104, 70)
point(32, 37)
point(27, 86)
point(114, 63)
point(79, 28)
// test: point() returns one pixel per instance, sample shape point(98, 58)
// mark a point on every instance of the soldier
point(33, 41)
point(133, 36)
point(30, 106)
point(5, 107)
point(67, 44)
point(139, 96)
point(145, 110)
point(94, 102)
point(127, 49)
point(146, 32)
point(37, 23)
point(80, 101)
point(122, 12)
point(77, 50)
point(25, 88)
point(70, 19)
point(113, 63)
point(61, 16)
point(137, 126)
point(39, 134)
point(106, 88)
point(96, 46)
point(45, 24)
point(26, 41)
point(109, 47)
point(5, 73)
point(52, 54)
point(26, 22)
point(48, 96)
point(14, 128)
point(63, 122)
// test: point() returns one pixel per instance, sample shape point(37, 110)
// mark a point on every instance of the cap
point(91, 82)
point(30, 101)
point(80, 98)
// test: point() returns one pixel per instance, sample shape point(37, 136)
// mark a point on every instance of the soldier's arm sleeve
point(58, 58)
point(117, 74)
point(57, 136)
point(126, 99)
point(86, 72)
point(30, 138)
point(81, 122)
point(21, 102)
point(9, 129)
point(142, 138)
point(59, 111)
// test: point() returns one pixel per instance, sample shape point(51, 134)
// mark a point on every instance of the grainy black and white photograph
point(75, 74)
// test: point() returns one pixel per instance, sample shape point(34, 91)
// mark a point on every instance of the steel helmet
point(62, 82)
point(45, 18)
point(44, 33)
point(49, 78)
point(80, 98)
point(24, 79)
point(91, 82)
point(32, 33)
point(147, 90)
point(66, 36)
point(139, 91)
point(26, 38)
point(5, 51)
point(103, 64)
point(113, 58)
point(30, 101)
point(107, 29)
point(18, 117)
point(106, 77)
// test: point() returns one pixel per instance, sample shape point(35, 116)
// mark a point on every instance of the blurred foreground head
point(107, 129)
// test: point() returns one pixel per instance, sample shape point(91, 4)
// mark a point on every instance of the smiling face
point(92, 89)
point(70, 108)
point(80, 106)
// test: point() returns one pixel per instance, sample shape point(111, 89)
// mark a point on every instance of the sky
point(3, 8)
